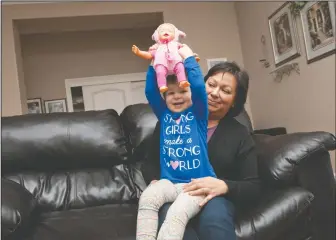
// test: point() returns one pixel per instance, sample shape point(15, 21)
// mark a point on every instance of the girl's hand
point(185, 51)
point(197, 57)
point(208, 186)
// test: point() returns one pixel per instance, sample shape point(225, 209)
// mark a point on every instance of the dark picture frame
point(318, 23)
point(34, 106)
point(55, 105)
point(284, 35)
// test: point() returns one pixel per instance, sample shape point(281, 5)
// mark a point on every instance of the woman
point(232, 155)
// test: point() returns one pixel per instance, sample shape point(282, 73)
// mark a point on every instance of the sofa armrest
point(302, 159)
point(280, 156)
point(274, 215)
point(17, 204)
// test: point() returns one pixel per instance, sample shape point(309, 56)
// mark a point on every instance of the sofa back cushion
point(68, 160)
point(139, 123)
point(59, 141)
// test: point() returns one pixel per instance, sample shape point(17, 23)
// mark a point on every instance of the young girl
point(183, 115)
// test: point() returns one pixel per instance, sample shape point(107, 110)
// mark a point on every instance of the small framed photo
point(34, 106)
point(318, 22)
point(284, 35)
point(56, 105)
point(213, 61)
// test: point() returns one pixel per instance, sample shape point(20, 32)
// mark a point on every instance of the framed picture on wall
point(318, 22)
point(34, 106)
point(56, 105)
point(213, 61)
point(284, 35)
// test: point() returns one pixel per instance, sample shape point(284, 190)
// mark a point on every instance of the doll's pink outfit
point(167, 59)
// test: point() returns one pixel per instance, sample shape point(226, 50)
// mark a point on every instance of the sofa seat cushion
point(113, 221)
point(77, 189)
point(118, 221)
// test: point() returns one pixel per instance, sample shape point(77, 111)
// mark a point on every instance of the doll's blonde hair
point(177, 33)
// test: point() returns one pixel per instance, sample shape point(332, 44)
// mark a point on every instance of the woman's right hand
point(209, 187)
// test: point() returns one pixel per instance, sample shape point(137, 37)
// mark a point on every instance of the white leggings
point(184, 208)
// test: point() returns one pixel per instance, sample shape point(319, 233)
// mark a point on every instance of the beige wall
point(204, 34)
point(304, 102)
point(13, 89)
point(20, 70)
point(49, 59)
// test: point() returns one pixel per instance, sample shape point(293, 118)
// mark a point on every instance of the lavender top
point(210, 132)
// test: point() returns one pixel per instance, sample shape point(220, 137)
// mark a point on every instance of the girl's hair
point(242, 79)
point(171, 79)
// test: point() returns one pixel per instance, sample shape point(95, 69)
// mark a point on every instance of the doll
point(167, 59)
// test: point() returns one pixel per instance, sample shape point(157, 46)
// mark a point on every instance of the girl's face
point(178, 99)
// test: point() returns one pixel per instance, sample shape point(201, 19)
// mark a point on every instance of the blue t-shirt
point(183, 137)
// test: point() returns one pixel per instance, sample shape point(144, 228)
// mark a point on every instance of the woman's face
point(221, 91)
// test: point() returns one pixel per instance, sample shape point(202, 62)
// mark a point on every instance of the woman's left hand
point(208, 186)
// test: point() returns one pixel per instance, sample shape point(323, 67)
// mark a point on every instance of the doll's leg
point(154, 196)
point(181, 211)
point(181, 75)
point(161, 75)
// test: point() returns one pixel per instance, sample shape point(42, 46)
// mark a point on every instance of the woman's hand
point(185, 51)
point(208, 186)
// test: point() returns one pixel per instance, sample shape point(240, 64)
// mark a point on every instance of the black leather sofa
point(78, 176)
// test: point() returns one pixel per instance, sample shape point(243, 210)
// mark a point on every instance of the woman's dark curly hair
point(242, 79)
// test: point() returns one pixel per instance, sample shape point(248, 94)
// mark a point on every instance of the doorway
point(105, 92)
